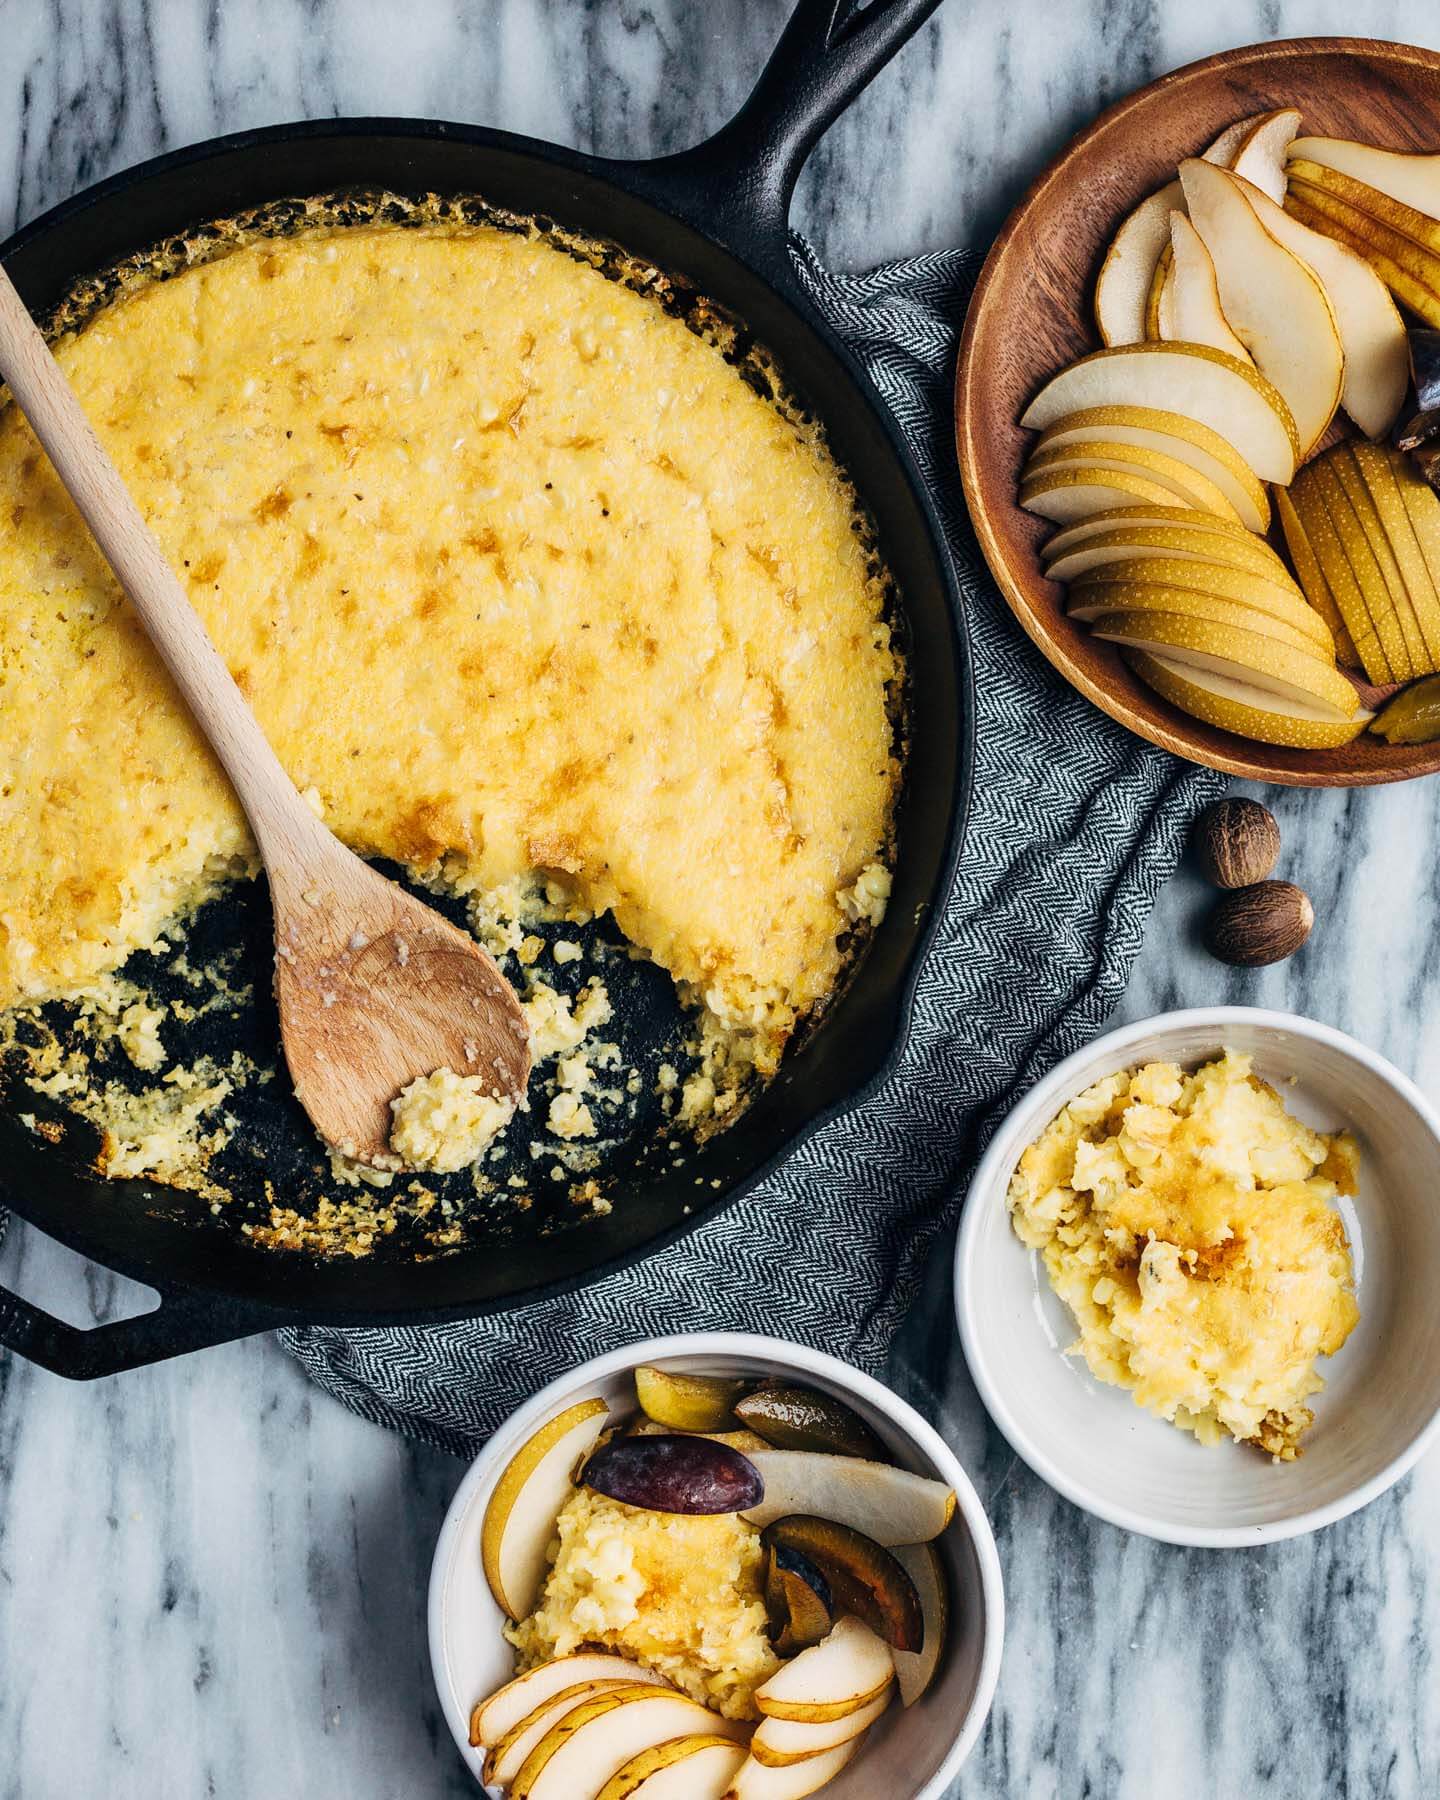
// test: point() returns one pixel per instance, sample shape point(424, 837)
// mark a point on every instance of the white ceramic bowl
point(912, 1754)
point(1380, 1407)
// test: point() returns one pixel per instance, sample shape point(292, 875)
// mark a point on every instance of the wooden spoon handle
point(283, 824)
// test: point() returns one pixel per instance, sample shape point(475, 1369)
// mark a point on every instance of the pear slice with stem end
point(701, 1767)
point(1248, 711)
point(520, 1517)
point(891, 1505)
point(1367, 515)
point(1375, 468)
point(1411, 272)
point(1203, 384)
point(508, 1705)
point(1205, 450)
point(1285, 608)
point(1379, 602)
point(849, 1670)
point(1312, 578)
point(1181, 518)
point(1184, 480)
point(1147, 543)
point(1272, 301)
point(1372, 333)
point(781, 1742)
point(507, 1755)
point(1189, 310)
point(595, 1740)
point(914, 1672)
point(1248, 656)
point(1136, 601)
point(757, 1781)
point(1324, 540)
point(1408, 179)
point(1065, 495)
point(1260, 160)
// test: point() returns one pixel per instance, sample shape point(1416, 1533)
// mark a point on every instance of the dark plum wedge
point(864, 1579)
point(797, 1599)
point(800, 1418)
point(674, 1474)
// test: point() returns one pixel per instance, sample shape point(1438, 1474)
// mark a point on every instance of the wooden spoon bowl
point(1031, 315)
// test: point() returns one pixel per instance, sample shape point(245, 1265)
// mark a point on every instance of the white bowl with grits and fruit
point(715, 1567)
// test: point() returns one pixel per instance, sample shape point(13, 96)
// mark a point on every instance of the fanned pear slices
point(1263, 595)
point(1065, 495)
point(780, 1742)
point(592, 1743)
point(1172, 434)
point(847, 1671)
point(1137, 601)
point(1192, 379)
point(1141, 543)
point(1244, 655)
point(1312, 578)
point(1122, 518)
point(1250, 711)
point(511, 1704)
point(1407, 264)
point(1188, 309)
point(1313, 518)
point(758, 1781)
point(1187, 483)
point(688, 1768)
point(1272, 301)
point(1412, 181)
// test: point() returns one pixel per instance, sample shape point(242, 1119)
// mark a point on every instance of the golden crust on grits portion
point(1188, 1221)
point(680, 1593)
point(518, 573)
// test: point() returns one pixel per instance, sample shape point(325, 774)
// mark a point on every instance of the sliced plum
point(674, 1474)
point(798, 1600)
point(864, 1579)
point(800, 1418)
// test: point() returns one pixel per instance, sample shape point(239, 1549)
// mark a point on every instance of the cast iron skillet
point(714, 217)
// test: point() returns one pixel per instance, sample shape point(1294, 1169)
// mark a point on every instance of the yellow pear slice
point(1147, 543)
point(1260, 595)
point(1205, 450)
point(1379, 602)
point(1182, 478)
point(1409, 270)
point(1192, 379)
point(916, 1669)
point(1273, 302)
point(1249, 711)
point(594, 1741)
point(1391, 218)
point(1362, 504)
point(507, 1755)
point(1065, 495)
point(1189, 310)
point(1377, 469)
point(1248, 656)
point(756, 1781)
point(508, 1705)
point(1422, 510)
point(1160, 283)
point(780, 1742)
point(1410, 180)
point(848, 1670)
point(1312, 578)
point(1181, 518)
point(1136, 600)
point(891, 1505)
point(688, 1768)
point(1372, 333)
point(1260, 160)
point(520, 1517)
point(1324, 540)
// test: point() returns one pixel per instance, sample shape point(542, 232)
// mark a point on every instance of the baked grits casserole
point(682, 1593)
point(1188, 1222)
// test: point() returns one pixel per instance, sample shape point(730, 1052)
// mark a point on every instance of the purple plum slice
point(800, 1418)
point(669, 1473)
point(797, 1599)
point(864, 1579)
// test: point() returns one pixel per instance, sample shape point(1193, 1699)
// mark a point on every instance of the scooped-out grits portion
point(1188, 1221)
point(522, 578)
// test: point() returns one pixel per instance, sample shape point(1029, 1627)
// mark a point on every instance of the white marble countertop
point(211, 1577)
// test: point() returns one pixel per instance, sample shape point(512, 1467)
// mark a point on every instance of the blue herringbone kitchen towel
point(1075, 826)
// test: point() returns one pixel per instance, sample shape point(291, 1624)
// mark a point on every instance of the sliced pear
point(1245, 655)
point(756, 1781)
point(1382, 472)
point(1272, 301)
point(915, 1671)
point(687, 1768)
point(850, 1670)
point(1205, 450)
point(1409, 180)
point(1312, 577)
point(1160, 283)
point(1422, 509)
point(1379, 602)
point(507, 1755)
point(1142, 543)
point(594, 1741)
point(1189, 310)
point(1372, 333)
point(1248, 711)
point(1181, 518)
point(1392, 221)
point(888, 1504)
point(520, 1518)
point(1065, 495)
point(1183, 480)
point(1362, 504)
point(1324, 540)
point(1408, 269)
point(1192, 379)
point(1260, 160)
point(780, 1742)
point(1138, 602)
point(508, 1705)
point(1270, 590)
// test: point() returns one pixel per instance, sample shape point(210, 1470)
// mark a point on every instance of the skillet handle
point(738, 184)
point(181, 1323)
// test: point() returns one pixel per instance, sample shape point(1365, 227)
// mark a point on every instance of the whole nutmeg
point(1237, 841)
point(1263, 923)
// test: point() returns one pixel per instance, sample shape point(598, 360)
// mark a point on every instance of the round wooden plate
point(1031, 315)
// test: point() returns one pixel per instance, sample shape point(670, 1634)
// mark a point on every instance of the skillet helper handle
point(739, 182)
point(282, 822)
point(180, 1324)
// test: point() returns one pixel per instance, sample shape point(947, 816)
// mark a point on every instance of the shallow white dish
point(913, 1754)
point(1380, 1407)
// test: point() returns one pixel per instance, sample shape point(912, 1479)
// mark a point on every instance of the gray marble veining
point(211, 1577)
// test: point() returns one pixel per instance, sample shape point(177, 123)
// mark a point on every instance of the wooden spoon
point(375, 989)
